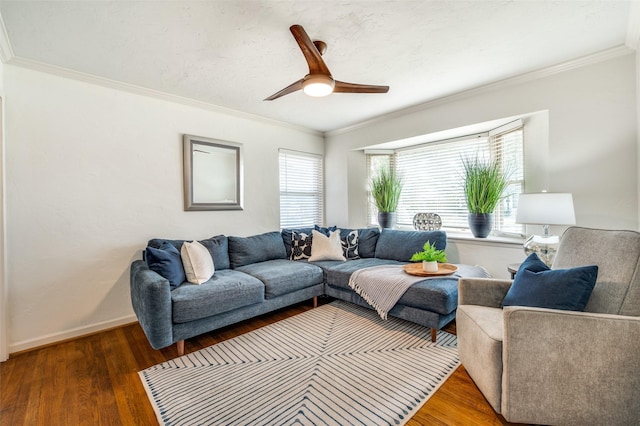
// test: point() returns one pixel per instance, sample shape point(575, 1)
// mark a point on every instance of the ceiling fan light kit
point(319, 81)
point(318, 85)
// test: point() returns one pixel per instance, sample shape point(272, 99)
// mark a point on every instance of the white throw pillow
point(326, 248)
point(197, 262)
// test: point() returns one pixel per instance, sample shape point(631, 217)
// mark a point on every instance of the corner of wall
point(638, 123)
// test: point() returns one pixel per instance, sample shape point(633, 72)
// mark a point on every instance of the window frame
point(491, 139)
point(316, 193)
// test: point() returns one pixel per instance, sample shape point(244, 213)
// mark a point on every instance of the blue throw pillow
point(538, 286)
point(533, 263)
point(326, 230)
point(167, 262)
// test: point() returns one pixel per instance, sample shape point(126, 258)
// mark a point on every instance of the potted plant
point(386, 187)
point(484, 186)
point(430, 256)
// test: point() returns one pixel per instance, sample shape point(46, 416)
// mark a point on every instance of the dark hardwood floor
point(93, 380)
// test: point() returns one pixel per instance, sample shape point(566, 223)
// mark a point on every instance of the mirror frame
point(188, 143)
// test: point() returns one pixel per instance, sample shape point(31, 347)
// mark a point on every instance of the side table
point(513, 268)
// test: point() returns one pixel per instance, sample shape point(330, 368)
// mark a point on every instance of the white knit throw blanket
point(382, 286)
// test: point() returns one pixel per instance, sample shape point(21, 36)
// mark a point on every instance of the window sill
point(466, 237)
point(491, 240)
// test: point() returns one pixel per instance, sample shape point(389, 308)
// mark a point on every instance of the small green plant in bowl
point(430, 256)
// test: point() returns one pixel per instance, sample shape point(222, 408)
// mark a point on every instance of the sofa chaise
point(261, 273)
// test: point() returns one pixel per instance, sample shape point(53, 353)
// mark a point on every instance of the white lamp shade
point(546, 208)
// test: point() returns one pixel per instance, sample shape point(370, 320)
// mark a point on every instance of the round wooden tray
point(416, 269)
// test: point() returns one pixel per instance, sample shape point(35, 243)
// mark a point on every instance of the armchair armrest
point(151, 300)
point(482, 291)
point(565, 367)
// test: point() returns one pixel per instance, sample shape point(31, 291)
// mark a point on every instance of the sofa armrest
point(565, 367)
point(482, 291)
point(151, 300)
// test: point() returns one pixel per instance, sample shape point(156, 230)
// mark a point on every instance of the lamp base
point(545, 246)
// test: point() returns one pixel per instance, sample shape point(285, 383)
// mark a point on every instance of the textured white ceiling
point(235, 53)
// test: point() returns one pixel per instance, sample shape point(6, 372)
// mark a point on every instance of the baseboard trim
point(55, 338)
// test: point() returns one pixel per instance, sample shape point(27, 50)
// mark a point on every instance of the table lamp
point(545, 208)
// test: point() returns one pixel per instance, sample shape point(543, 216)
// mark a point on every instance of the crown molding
point(6, 51)
point(144, 91)
point(633, 27)
point(594, 58)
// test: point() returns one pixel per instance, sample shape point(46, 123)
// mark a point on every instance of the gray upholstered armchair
point(559, 367)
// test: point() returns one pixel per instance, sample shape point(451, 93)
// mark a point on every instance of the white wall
point(92, 174)
point(592, 143)
point(638, 114)
point(4, 297)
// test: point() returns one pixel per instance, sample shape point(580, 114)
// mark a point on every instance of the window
point(301, 189)
point(433, 176)
point(375, 161)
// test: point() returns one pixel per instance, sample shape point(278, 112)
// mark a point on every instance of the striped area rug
point(338, 364)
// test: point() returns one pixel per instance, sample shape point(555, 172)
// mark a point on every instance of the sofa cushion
point(367, 240)
point(281, 276)
point(257, 248)
point(436, 295)
point(326, 248)
point(337, 273)
point(537, 285)
point(218, 246)
point(167, 262)
point(401, 245)
point(225, 291)
point(197, 262)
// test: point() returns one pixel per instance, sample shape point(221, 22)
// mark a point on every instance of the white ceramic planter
point(430, 266)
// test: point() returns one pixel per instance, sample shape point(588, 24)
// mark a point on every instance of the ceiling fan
point(319, 81)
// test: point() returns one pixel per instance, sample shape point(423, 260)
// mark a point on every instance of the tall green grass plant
point(484, 184)
point(386, 187)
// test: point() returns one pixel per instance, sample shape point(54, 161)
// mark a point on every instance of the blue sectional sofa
point(255, 275)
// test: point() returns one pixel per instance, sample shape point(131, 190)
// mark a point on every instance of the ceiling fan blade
point(293, 87)
point(342, 87)
point(309, 50)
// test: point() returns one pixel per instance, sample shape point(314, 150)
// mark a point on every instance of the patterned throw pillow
point(300, 246)
point(349, 240)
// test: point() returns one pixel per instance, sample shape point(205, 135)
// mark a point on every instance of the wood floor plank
point(94, 380)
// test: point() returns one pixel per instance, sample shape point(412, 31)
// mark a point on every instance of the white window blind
point(433, 178)
point(507, 147)
point(301, 189)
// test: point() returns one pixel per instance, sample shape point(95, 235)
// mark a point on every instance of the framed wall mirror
point(213, 174)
